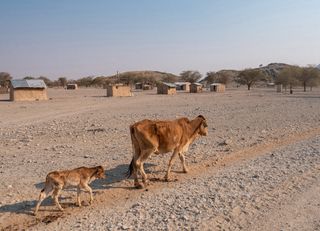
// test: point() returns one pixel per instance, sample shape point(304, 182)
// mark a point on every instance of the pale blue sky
point(77, 38)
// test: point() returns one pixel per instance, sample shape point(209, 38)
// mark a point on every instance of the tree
point(211, 77)
point(62, 81)
point(249, 77)
point(190, 76)
point(86, 81)
point(169, 78)
point(4, 79)
point(309, 77)
point(289, 76)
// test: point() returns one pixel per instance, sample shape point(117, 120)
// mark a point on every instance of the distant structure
point(182, 86)
point(118, 90)
point(217, 87)
point(72, 86)
point(166, 88)
point(279, 87)
point(28, 90)
point(147, 87)
point(196, 87)
point(138, 86)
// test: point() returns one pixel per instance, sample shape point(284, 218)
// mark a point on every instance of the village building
point(195, 87)
point(118, 90)
point(147, 87)
point(138, 86)
point(217, 87)
point(166, 88)
point(182, 86)
point(72, 86)
point(28, 90)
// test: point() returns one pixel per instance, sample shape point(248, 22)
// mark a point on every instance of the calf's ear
point(201, 116)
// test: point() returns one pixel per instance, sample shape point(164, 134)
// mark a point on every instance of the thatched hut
point(166, 88)
point(195, 87)
point(28, 90)
point(217, 87)
point(72, 86)
point(182, 86)
point(118, 90)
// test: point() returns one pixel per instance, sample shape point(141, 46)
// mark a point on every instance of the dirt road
point(258, 169)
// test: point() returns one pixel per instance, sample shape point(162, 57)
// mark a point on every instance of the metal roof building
point(28, 90)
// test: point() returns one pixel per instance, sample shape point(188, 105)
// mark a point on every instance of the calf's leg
point(78, 196)
point(43, 195)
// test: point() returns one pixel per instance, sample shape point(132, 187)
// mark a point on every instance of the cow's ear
point(201, 116)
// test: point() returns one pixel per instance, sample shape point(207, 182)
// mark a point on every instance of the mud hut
point(182, 86)
point(217, 87)
point(28, 90)
point(118, 90)
point(195, 87)
point(166, 88)
point(72, 86)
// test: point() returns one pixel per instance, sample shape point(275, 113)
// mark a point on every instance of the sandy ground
point(258, 169)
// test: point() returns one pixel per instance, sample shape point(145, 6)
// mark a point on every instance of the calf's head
point(203, 129)
point(99, 172)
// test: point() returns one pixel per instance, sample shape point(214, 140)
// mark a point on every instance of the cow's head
point(99, 172)
point(203, 129)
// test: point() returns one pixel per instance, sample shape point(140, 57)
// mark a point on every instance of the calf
point(79, 177)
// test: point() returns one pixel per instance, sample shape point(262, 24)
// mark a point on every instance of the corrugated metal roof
point(198, 84)
point(28, 83)
point(169, 84)
point(215, 84)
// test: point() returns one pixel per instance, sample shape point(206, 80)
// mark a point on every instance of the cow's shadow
point(113, 175)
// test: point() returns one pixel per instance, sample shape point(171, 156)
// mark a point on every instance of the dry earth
point(258, 169)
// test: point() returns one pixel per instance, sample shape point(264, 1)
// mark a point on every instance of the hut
point(72, 86)
point(147, 87)
point(118, 90)
point(217, 87)
point(166, 88)
point(138, 86)
point(182, 86)
point(28, 90)
point(195, 87)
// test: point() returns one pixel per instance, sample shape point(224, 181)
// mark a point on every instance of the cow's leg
point(175, 153)
point(56, 193)
point(183, 162)
point(78, 196)
point(136, 169)
point(43, 195)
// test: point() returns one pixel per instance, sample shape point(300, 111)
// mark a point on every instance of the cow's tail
point(131, 168)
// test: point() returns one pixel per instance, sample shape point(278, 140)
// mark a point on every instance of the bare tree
point(249, 77)
point(190, 76)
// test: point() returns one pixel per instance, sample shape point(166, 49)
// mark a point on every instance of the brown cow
point(79, 177)
point(150, 136)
